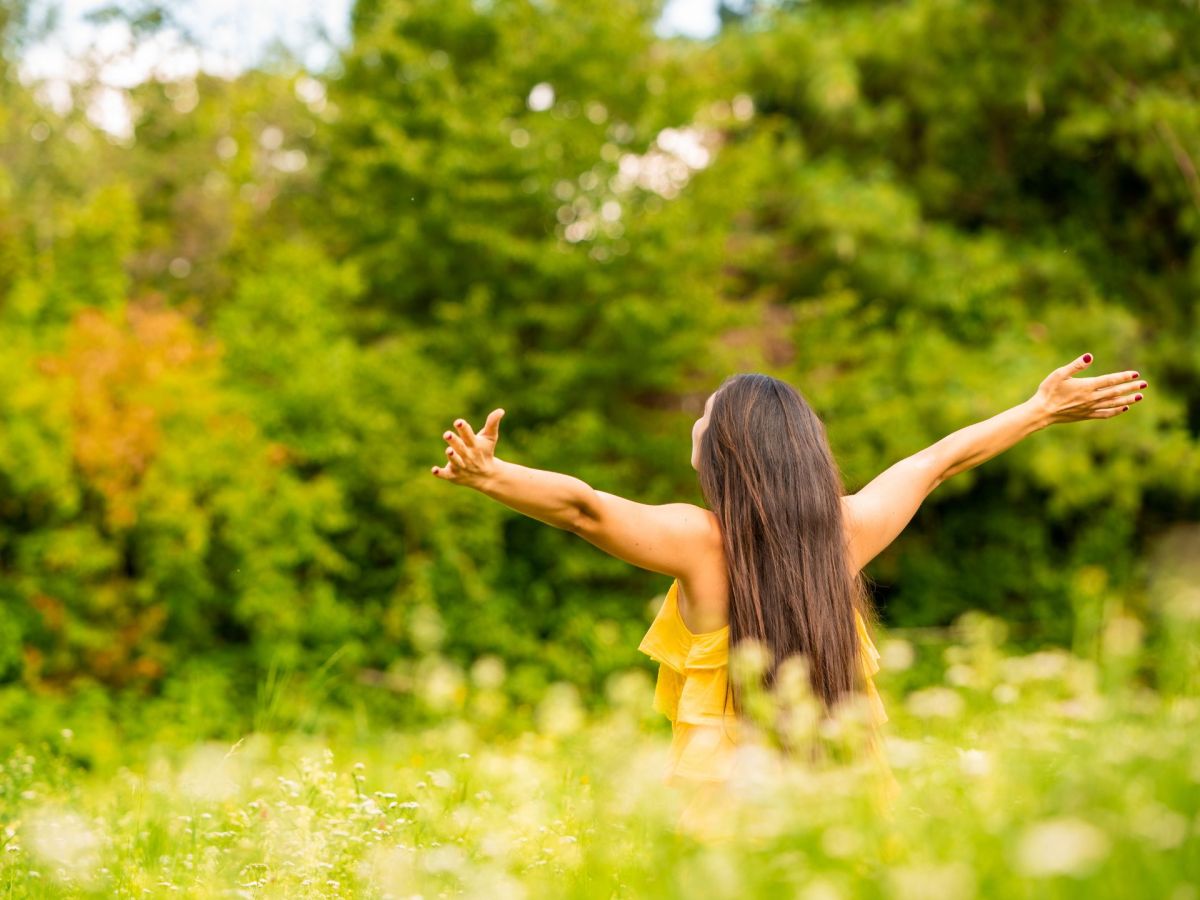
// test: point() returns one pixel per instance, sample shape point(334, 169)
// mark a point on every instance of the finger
point(455, 441)
point(1109, 413)
point(491, 428)
point(1116, 378)
point(1077, 365)
point(443, 472)
point(1119, 390)
point(464, 429)
point(1123, 400)
point(454, 465)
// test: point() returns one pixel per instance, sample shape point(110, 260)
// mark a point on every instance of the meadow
point(1020, 775)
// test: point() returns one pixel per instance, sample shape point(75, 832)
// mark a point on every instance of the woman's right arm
point(880, 511)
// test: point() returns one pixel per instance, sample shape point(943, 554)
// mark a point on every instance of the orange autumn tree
point(125, 377)
point(180, 498)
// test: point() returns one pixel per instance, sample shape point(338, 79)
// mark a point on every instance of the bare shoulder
point(700, 524)
point(709, 530)
point(711, 522)
point(666, 538)
point(703, 529)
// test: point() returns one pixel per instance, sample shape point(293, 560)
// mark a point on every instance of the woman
point(777, 556)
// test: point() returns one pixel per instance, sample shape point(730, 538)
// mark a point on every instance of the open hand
point(1064, 398)
point(471, 457)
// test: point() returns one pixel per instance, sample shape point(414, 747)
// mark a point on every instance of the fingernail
point(1138, 397)
point(1135, 375)
point(1123, 408)
point(1143, 384)
point(1087, 357)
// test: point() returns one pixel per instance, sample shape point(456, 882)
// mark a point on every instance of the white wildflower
point(64, 840)
point(1062, 846)
point(974, 762)
point(935, 702)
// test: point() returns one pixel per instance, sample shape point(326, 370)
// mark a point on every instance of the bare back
point(704, 593)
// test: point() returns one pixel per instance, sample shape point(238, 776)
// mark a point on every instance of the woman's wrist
point(1039, 414)
point(485, 480)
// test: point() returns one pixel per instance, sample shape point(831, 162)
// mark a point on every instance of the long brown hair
point(767, 473)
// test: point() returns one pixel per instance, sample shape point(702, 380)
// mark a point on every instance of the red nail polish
point(1138, 397)
point(1143, 384)
point(1087, 357)
point(1135, 375)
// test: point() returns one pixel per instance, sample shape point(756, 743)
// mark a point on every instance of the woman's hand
point(1063, 398)
point(471, 457)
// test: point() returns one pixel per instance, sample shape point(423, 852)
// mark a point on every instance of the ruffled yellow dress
point(690, 691)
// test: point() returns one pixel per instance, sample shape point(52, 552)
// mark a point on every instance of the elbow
point(930, 472)
point(578, 522)
point(585, 511)
point(936, 478)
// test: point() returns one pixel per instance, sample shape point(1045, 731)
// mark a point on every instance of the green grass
point(1042, 775)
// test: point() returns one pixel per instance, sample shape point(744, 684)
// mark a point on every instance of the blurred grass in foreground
point(1021, 775)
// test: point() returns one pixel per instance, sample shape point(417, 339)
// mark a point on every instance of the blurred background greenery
point(234, 332)
point(250, 646)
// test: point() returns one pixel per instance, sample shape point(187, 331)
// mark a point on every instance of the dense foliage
point(232, 340)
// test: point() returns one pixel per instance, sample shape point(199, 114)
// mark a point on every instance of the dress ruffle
point(691, 692)
point(869, 658)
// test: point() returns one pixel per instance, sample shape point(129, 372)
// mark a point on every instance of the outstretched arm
point(550, 497)
point(665, 538)
point(880, 511)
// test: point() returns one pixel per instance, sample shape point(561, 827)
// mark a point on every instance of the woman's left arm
point(662, 538)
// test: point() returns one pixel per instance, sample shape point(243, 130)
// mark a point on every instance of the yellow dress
point(690, 691)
